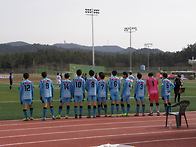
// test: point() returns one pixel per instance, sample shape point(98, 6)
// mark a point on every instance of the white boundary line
point(159, 140)
point(92, 137)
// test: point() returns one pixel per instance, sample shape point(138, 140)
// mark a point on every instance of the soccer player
point(178, 84)
point(125, 94)
point(65, 95)
point(102, 94)
point(166, 87)
point(91, 88)
point(46, 95)
point(131, 76)
point(26, 97)
point(114, 88)
point(78, 92)
point(139, 94)
point(153, 93)
point(11, 80)
point(58, 79)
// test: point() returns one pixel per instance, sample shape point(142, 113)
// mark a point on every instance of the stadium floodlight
point(130, 30)
point(92, 12)
point(148, 45)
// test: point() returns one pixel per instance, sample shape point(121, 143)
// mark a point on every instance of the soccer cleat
point(53, 117)
point(98, 116)
point(80, 116)
point(26, 119)
point(143, 114)
point(106, 115)
point(158, 113)
point(66, 117)
point(58, 116)
point(44, 119)
point(31, 118)
point(88, 116)
point(76, 116)
point(150, 114)
point(136, 114)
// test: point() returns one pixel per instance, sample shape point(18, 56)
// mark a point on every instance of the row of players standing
point(97, 93)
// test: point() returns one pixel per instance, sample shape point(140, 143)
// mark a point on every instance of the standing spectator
point(178, 84)
point(11, 80)
point(58, 79)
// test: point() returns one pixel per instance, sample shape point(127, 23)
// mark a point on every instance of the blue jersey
point(65, 89)
point(91, 86)
point(126, 87)
point(78, 86)
point(46, 88)
point(102, 89)
point(26, 90)
point(140, 89)
point(114, 85)
point(166, 87)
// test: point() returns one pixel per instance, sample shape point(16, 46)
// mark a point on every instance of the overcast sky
point(169, 24)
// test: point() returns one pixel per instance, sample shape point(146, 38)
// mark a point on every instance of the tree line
point(53, 58)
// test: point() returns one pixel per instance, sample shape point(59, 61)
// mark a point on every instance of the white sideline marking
point(159, 140)
point(92, 137)
point(77, 131)
point(66, 126)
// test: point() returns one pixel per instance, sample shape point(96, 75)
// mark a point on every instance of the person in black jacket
point(178, 84)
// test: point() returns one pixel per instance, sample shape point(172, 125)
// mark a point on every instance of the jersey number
point(78, 84)
point(27, 87)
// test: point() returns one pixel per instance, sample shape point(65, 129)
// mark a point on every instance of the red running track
point(147, 131)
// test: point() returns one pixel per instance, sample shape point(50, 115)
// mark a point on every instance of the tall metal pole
point(93, 48)
point(148, 45)
point(92, 12)
point(130, 30)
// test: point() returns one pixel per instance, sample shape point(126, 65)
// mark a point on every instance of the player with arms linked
point(91, 88)
point(26, 97)
point(46, 95)
point(65, 95)
point(78, 93)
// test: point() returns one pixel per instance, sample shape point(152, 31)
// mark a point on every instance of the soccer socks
point(81, 110)
point(25, 113)
point(60, 110)
point(68, 109)
point(137, 108)
point(44, 112)
point(112, 108)
point(94, 111)
point(128, 108)
point(123, 108)
point(99, 109)
point(52, 110)
point(143, 108)
point(89, 110)
point(105, 109)
point(76, 110)
point(117, 108)
point(31, 112)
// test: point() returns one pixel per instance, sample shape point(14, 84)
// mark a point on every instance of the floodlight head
point(92, 11)
point(148, 45)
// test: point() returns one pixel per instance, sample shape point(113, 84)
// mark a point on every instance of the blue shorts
point(27, 101)
point(47, 99)
point(141, 98)
point(166, 97)
point(65, 100)
point(92, 98)
point(125, 99)
point(101, 99)
point(78, 99)
point(114, 97)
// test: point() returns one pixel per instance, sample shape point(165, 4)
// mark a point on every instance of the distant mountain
point(97, 48)
point(20, 46)
point(17, 43)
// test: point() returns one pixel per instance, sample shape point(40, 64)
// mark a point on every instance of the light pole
point(148, 45)
point(92, 12)
point(130, 30)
